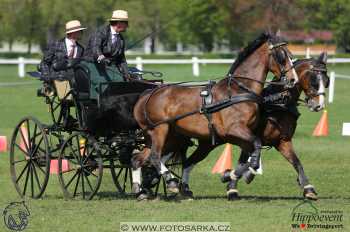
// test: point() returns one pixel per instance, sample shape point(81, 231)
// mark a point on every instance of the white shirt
point(69, 46)
point(114, 35)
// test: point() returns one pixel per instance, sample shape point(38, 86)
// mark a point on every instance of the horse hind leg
point(197, 156)
point(287, 150)
point(158, 137)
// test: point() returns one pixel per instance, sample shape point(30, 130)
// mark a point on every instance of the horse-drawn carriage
point(92, 128)
point(97, 124)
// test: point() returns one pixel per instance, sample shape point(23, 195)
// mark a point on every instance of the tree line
point(202, 23)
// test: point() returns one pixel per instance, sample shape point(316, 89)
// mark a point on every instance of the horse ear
point(323, 58)
point(278, 33)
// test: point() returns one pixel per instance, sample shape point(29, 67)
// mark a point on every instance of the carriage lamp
point(82, 143)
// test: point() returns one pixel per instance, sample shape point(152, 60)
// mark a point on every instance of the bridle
point(277, 56)
point(316, 90)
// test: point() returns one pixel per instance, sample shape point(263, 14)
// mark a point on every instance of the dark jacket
point(100, 43)
point(55, 59)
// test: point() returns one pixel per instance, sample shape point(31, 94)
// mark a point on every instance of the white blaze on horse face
point(321, 92)
point(295, 75)
point(186, 174)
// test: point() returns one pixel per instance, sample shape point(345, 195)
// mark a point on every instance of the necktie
point(71, 53)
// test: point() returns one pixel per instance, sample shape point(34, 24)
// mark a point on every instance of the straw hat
point(119, 15)
point(73, 26)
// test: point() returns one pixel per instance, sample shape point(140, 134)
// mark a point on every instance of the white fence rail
point(195, 62)
point(139, 62)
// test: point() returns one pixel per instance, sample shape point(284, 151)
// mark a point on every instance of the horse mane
point(250, 48)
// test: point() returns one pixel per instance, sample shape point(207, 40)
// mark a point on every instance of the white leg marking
point(136, 176)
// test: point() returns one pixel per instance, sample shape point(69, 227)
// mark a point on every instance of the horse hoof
point(142, 196)
point(311, 196)
point(228, 176)
point(173, 186)
point(135, 189)
point(310, 193)
point(185, 191)
point(248, 176)
point(232, 195)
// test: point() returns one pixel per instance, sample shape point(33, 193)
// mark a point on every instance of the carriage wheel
point(80, 167)
point(55, 110)
point(120, 175)
point(30, 158)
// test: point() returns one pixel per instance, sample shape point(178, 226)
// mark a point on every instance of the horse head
point(314, 81)
point(280, 61)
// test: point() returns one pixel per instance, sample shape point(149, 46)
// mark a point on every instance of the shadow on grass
point(270, 198)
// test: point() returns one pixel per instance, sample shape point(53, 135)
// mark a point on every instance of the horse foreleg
point(242, 170)
point(250, 144)
point(197, 156)
point(287, 150)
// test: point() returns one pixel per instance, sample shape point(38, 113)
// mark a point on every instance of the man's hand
point(100, 58)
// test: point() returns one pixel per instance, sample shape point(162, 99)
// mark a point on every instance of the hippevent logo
point(305, 215)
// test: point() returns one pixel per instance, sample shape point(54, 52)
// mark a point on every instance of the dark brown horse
point(276, 127)
point(179, 110)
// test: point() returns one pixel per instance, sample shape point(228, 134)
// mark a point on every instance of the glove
point(100, 58)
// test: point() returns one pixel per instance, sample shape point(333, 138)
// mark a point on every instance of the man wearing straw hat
point(58, 53)
point(107, 45)
point(55, 63)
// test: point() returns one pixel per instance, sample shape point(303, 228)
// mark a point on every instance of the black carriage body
point(111, 111)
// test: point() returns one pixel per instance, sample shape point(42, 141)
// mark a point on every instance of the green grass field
point(266, 203)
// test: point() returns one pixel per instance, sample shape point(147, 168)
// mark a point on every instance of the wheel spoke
point(90, 172)
point(125, 179)
point(34, 132)
point(76, 186)
point(20, 175)
point(37, 178)
point(88, 181)
point(71, 180)
point(74, 154)
point(23, 139)
point(18, 161)
point(19, 147)
point(120, 172)
point(26, 182)
point(29, 138)
point(31, 179)
point(89, 153)
point(82, 184)
point(42, 170)
point(37, 147)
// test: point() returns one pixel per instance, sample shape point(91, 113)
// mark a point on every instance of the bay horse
point(276, 127)
point(179, 110)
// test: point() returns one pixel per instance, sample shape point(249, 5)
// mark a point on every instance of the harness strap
point(212, 108)
point(207, 98)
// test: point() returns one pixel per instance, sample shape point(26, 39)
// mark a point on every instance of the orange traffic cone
point(322, 127)
point(224, 162)
point(54, 169)
point(3, 144)
point(25, 143)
